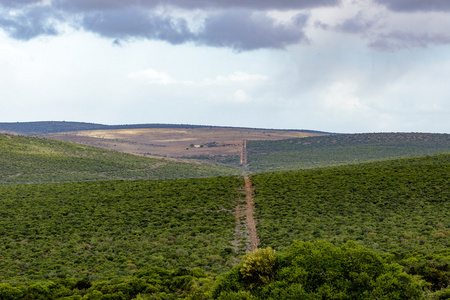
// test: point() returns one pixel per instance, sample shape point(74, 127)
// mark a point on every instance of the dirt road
point(249, 212)
point(246, 231)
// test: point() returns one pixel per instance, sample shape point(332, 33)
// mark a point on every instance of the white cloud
point(236, 77)
point(341, 98)
point(241, 96)
point(162, 78)
point(154, 77)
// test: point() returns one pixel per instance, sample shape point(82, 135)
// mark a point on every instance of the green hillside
point(168, 239)
point(34, 160)
point(392, 206)
point(108, 229)
point(333, 150)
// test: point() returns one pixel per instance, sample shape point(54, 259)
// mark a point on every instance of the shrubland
point(108, 229)
point(342, 149)
point(367, 231)
point(391, 206)
point(318, 270)
point(35, 160)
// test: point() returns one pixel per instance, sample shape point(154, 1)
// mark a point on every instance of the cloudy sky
point(331, 65)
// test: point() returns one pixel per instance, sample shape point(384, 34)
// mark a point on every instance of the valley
point(84, 222)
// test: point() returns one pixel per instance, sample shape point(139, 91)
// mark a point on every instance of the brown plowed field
point(177, 142)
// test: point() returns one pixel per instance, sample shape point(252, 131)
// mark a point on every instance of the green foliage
point(155, 239)
point(154, 283)
point(258, 267)
point(332, 150)
point(395, 206)
point(33, 160)
point(433, 267)
point(321, 270)
point(107, 229)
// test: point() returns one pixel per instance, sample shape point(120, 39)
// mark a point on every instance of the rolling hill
point(47, 127)
point(390, 206)
point(342, 149)
point(89, 224)
point(34, 160)
point(84, 239)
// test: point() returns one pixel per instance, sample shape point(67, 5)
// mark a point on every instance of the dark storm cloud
point(29, 23)
point(416, 5)
point(357, 24)
point(239, 30)
point(135, 23)
point(87, 5)
point(383, 38)
point(401, 40)
point(238, 24)
point(244, 31)
point(17, 3)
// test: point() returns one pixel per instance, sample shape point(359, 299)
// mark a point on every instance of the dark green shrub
point(321, 270)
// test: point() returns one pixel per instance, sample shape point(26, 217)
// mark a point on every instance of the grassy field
point(34, 160)
point(333, 150)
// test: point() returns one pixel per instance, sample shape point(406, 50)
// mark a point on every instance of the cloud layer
point(86, 5)
point(416, 5)
point(242, 25)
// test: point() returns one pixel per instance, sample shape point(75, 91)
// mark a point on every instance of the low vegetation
point(108, 229)
point(304, 270)
point(390, 206)
point(377, 230)
point(34, 160)
point(333, 150)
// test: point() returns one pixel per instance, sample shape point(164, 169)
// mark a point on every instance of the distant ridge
point(342, 149)
point(35, 128)
point(46, 127)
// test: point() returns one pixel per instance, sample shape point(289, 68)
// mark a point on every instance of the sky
point(345, 66)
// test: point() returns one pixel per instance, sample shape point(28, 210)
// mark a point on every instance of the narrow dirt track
point(246, 232)
point(249, 211)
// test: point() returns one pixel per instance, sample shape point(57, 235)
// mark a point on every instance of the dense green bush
point(321, 270)
point(154, 283)
point(258, 267)
point(109, 229)
point(394, 206)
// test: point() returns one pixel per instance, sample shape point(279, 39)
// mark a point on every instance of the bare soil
point(249, 212)
point(176, 143)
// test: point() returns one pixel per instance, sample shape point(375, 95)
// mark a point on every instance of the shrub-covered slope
point(400, 205)
point(317, 270)
point(109, 229)
point(34, 160)
point(332, 150)
point(103, 240)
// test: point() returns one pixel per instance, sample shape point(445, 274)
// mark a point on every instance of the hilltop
point(46, 127)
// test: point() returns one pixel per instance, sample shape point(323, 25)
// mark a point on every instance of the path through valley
point(247, 211)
